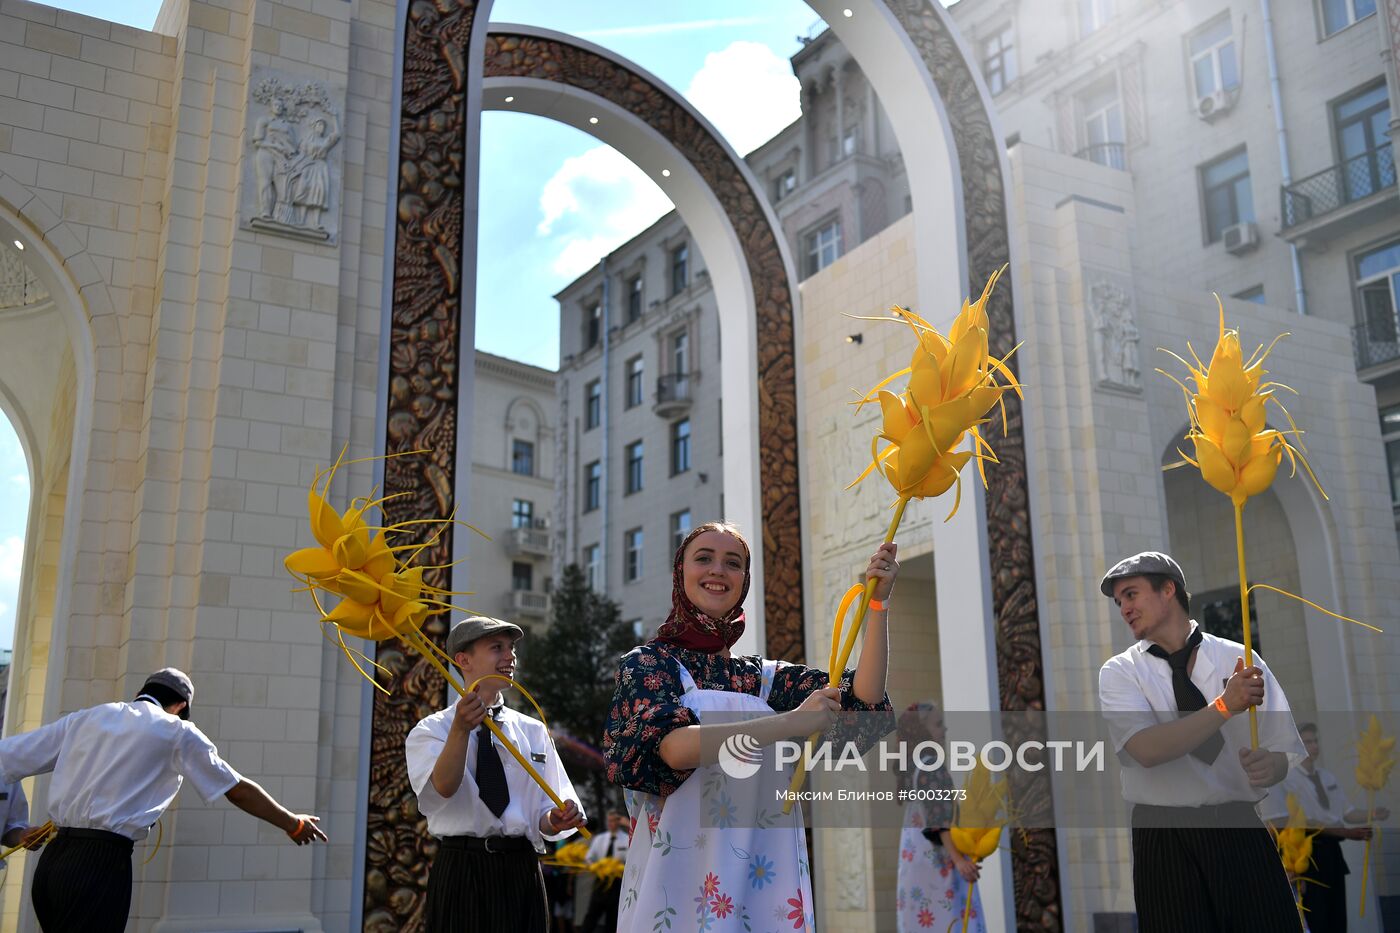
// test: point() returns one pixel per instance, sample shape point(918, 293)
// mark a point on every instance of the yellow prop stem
point(838, 660)
point(1366, 859)
point(510, 746)
point(1244, 613)
point(44, 833)
point(967, 908)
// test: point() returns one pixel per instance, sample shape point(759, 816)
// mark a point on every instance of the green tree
point(571, 669)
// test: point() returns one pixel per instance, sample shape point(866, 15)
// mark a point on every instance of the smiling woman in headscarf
point(691, 734)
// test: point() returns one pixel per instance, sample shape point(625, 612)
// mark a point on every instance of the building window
point(634, 299)
point(592, 486)
point(1361, 122)
point(634, 467)
point(850, 141)
point(522, 514)
point(1094, 15)
point(593, 404)
point(1339, 14)
point(680, 446)
point(680, 268)
point(592, 566)
point(1225, 193)
point(522, 576)
point(634, 382)
point(680, 526)
point(632, 555)
point(1390, 436)
point(1213, 64)
point(784, 185)
point(999, 60)
point(1219, 614)
point(593, 330)
point(680, 353)
point(522, 458)
point(1103, 125)
point(1378, 282)
point(1255, 294)
point(822, 246)
point(638, 628)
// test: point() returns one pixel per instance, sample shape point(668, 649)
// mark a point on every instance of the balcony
point(1110, 155)
point(1376, 343)
point(1341, 198)
point(529, 603)
point(530, 542)
point(672, 395)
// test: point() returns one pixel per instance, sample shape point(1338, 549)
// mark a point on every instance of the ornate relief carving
point(19, 286)
point(1116, 337)
point(291, 178)
point(1019, 662)
point(528, 56)
point(850, 872)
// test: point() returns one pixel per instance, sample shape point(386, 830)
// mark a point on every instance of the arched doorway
point(957, 189)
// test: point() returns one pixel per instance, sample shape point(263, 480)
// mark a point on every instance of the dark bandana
point(687, 626)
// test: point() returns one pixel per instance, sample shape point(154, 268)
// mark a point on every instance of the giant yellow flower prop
point(1237, 453)
point(382, 595)
point(1373, 763)
point(954, 382)
point(1295, 843)
point(977, 824)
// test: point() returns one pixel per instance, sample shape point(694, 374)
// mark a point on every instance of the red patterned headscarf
point(687, 626)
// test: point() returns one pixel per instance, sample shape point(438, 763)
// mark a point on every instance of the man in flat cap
point(1202, 859)
point(491, 817)
point(116, 767)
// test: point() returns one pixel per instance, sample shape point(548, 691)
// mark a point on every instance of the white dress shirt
point(14, 808)
point(598, 847)
point(1135, 693)
point(116, 767)
point(1299, 782)
point(463, 814)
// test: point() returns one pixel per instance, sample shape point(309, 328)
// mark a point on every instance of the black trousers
point(1325, 894)
point(1191, 875)
point(472, 890)
point(602, 909)
point(83, 882)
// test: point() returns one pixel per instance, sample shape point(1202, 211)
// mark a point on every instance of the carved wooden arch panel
point(423, 376)
point(1020, 664)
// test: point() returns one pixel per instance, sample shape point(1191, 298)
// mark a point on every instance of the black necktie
point(1188, 697)
point(1321, 794)
point(612, 838)
point(490, 775)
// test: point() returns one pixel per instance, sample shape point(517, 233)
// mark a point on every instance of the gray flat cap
point(177, 680)
point(465, 631)
point(1141, 564)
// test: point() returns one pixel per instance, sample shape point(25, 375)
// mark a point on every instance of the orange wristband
point(1220, 705)
point(878, 605)
point(292, 834)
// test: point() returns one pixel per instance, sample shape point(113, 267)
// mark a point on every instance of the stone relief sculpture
point(295, 162)
point(1116, 337)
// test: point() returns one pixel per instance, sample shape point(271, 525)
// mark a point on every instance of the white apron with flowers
point(718, 855)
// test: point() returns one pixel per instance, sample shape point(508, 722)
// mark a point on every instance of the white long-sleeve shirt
point(117, 766)
point(463, 814)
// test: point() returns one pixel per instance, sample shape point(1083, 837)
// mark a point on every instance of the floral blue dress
point(931, 895)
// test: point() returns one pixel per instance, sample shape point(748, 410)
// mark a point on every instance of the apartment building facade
point(1258, 136)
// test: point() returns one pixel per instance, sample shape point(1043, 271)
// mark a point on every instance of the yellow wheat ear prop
point(32, 840)
point(977, 824)
point(382, 593)
point(954, 382)
point(1373, 764)
point(1237, 453)
point(1295, 845)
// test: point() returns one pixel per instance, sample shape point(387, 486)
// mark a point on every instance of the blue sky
point(553, 199)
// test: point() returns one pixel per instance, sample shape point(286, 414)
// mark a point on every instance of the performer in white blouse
point(116, 767)
point(491, 817)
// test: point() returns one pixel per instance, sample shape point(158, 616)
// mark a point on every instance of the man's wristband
point(1220, 705)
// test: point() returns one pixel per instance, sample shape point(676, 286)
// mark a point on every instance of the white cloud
point(594, 203)
point(748, 92)
point(660, 29)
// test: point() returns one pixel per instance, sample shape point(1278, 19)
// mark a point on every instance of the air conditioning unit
point(1213, 105)
point(1240, 238)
